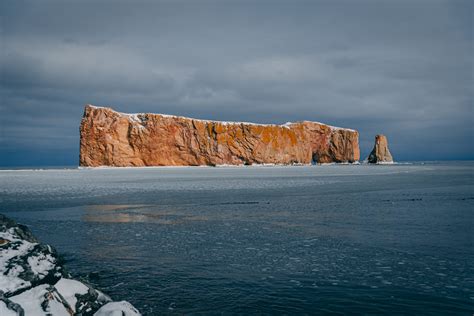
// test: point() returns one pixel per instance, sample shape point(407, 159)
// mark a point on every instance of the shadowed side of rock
point(380, 153)
point(110, 138)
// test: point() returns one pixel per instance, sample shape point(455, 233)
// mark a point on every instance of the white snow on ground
point(41, 264)
point(18, 255)
point(122, 308)
point(61, 300)
point(4, 311)
point(32, 299)
point(10, 282)
point(69, 288)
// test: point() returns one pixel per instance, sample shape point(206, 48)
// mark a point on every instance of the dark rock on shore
point(33, 281)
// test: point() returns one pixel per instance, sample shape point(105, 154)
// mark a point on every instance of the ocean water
point(268, 240)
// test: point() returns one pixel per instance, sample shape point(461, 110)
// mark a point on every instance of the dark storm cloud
point(403, 68)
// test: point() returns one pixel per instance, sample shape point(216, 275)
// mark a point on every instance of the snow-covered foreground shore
point(33, 281)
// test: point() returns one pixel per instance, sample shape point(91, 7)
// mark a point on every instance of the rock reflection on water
point(136, 214)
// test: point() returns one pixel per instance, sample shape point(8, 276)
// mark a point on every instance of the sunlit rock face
point(380, 154)
point(110, 138)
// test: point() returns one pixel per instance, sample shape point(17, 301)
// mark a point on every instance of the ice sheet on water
point(343, 234)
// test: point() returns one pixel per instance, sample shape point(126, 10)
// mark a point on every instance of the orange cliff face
point(110, 138)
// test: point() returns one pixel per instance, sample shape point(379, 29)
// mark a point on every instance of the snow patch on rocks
point(122, 308)
point(33, 281)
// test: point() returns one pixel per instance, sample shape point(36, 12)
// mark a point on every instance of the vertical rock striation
point(110, 138)
point(380, 154)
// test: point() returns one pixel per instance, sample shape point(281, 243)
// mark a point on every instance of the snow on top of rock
point(122, 308)
point(31, 302)
point(66, 297)
point(9, 276)
point(69, 288)
point(32, 282)
point(334, 128)
point(5, 311)
point(139, 118)
point(21, 258)
point(41, 264)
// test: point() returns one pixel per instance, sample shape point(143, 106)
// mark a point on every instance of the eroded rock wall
point(110, 138)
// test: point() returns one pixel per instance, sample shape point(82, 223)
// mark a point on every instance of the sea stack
point(111, 138)
point(380, 154)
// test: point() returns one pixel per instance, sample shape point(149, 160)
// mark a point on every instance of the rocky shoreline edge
point(33, 280)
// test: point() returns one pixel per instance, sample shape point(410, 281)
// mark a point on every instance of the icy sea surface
point(317, 239)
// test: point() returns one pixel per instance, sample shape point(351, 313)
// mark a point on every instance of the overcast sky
point(401, 68)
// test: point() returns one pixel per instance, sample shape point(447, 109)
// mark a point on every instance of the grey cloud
point(403, 68)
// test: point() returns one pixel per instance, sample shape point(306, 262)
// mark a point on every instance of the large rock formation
point(380, 154)
point(33, 281)
point(110, 138)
